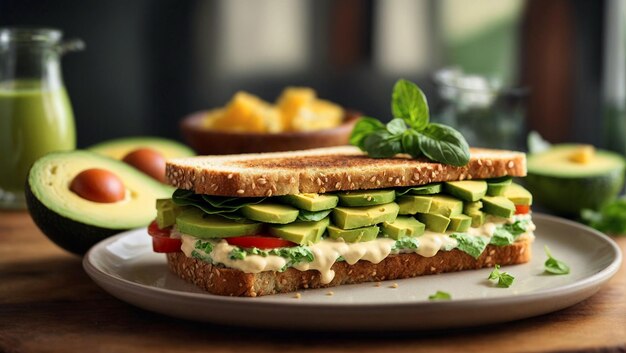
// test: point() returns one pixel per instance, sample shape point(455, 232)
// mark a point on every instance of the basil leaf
point(313, 216)
point(406, 243)
point(472, 245)
point(440, 295)
point(411, 143)
point(382, 144)
point(505, 280)
point(443, 144)
point(408, 103)
point(362, 129)
point(396, 126)
point(611, 218)
point(554, 266)
point(502, 237)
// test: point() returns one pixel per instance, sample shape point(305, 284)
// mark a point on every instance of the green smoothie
point(34, 120)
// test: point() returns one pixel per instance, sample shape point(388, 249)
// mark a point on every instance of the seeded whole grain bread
point(328, 169)
point(232, 282)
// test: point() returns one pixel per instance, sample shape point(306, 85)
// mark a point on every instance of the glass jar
point(35, 113)
point(487, 114)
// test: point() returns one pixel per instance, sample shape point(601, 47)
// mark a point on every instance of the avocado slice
point(518, 195)
point(167, 211)
point(301, 232)
point(366, 197)
point(119, 148)
point(460, 223)
point(497, 186)
point(311, 202)
point(434, 222)
point(354, 235)
point(194, 221)
point(498, 206)
point(412, 204)
point(403, 227)
point(358, 217)
point(268, 212)
point(445, 205)
point(473, 210)
point(467, 190)
point(76, 224)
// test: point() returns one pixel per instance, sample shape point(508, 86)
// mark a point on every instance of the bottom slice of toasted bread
point(232, 282)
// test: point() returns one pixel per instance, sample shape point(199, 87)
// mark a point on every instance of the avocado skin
point(568, 196)
point(60, 229)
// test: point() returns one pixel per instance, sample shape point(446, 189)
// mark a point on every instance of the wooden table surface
point(49, 304)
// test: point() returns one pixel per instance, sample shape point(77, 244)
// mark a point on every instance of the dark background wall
point(148, 63)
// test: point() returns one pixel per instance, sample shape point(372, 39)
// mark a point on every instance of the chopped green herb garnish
point(554, 266)
point(440, 296)
point(472, 245)
point(505, 280)
point(410, 131)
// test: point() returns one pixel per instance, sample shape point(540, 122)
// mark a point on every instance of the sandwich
point(259, 224)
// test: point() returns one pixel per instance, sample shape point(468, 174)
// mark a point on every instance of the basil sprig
point(505, 280)
point(410, 131)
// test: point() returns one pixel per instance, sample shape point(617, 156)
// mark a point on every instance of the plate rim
point(603, 275)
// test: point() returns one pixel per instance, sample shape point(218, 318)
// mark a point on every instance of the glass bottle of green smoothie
point(35, 112)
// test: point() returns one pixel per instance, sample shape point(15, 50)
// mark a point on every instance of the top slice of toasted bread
point(328, 169)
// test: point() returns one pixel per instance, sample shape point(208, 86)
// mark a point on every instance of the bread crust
point(232, 282)
point(328, 169)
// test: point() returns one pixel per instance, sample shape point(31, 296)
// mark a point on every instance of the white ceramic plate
point(126, 267)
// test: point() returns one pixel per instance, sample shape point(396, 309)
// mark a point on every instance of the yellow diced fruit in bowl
point(292, 101)
point(583, 154)
point(320, 114)
point(245, 112)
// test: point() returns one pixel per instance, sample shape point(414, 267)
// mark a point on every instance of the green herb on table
point(611, 218)
point(505, 280)
point(440, 296)
point(410, 131)
point(554, 266)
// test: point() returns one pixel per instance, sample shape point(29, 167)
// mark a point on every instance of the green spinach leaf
point(472, 245)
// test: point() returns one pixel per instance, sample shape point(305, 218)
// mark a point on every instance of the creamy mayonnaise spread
point(328, 251)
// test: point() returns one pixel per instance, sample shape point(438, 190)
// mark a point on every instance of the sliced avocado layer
point(459, 223)
point(167, 211)
point(497, 186)
point(301, 232)
point(518, 195)
point(357, 217)
point(434, 222)
point(498, 206)
point(118, 148)
point(467, 190)
point(75, 223)
point(194, 222)
point(446, 206)
point(354, 235)
point(311, 202)
point(412, 204)
point(366, 197)
point(403, 227)
point(268, 212)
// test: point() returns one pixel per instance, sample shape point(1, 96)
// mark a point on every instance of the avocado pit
point(98, 185)
point(149, 161)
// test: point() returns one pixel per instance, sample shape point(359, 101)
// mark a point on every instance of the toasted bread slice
point(328, 169)
point(227, 281)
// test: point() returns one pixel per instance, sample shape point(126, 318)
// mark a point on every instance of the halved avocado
point(118, 148)
point(560, 182)
point(75, 223)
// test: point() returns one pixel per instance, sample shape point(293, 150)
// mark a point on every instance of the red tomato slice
point(259, 241)
point(522, 209)
point(161, 240)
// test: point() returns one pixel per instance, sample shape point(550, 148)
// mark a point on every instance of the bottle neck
point(29, 62)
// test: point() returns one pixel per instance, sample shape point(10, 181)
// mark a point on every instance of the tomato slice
point(161, 240)
point(259, 241)
point(522, 209)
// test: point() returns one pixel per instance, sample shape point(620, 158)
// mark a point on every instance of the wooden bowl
point(211, 142)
